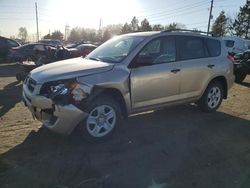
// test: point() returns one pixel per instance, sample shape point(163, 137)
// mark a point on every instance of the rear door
point(196, 65)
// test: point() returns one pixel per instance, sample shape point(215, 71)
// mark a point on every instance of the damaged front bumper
point(56, 117)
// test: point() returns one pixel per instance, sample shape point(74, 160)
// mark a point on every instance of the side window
point(190, 47)
point(30, 47)
point(168, 51)
point(213, 46)
point(12, 43)
point(160, 50)
point(152, 49)
point(39, 47)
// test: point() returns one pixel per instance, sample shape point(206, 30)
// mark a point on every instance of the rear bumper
point(58, 118)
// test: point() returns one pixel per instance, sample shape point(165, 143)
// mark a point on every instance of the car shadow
point(246, 84)
point(10, 95)
point(175, 147)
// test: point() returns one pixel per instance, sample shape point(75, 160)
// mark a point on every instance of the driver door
point(158, 82)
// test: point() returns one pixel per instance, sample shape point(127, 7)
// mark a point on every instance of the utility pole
point(37, 31)
point(210, 16)
point(100, 24)
point(99, 31)
point(66, 32)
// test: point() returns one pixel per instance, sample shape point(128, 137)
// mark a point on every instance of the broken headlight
point(54, 88)
point(80, 91)
point(59, 89)
point(73, 89)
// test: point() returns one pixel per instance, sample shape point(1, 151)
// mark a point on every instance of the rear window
point(229, 43)
point(190, 47)
point(213, 47)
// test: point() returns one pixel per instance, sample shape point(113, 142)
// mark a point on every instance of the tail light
point(231, 58)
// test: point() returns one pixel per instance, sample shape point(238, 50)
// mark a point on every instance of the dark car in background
point(85, 49)
point(29, 51)
point(242, 66)
point(52, 42)
point(5, 46)
point(73, 45)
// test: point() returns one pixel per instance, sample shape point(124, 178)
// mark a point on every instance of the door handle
point(175, 70)
point(210, 66)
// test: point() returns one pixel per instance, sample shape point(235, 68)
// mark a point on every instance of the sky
point(55, 14)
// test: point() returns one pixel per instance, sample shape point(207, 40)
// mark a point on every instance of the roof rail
point(188, 30)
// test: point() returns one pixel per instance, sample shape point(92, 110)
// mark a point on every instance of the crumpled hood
point(69, 68)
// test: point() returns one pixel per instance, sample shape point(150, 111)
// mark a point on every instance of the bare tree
point(23, 33)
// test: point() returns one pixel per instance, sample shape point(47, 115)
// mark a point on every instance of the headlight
point(77, 91)
point(60, 89)
point(54, 88)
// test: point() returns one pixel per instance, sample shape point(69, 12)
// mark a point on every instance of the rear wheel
point(212, 97)
point(104, 117)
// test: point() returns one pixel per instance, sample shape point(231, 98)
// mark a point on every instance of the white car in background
point(236, 44)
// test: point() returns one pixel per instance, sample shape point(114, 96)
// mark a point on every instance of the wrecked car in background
point(129, 74)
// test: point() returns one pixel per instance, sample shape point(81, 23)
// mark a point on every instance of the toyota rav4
point(128, 74)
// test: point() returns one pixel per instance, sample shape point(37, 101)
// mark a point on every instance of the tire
point(19, 77)
point(239, 77)
point(97, 126)
point(212, 97)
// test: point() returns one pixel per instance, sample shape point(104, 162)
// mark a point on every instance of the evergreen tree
point(219, 27)
point(175, 25)
point(145, 26)
point(242, 22)
point(48, 36)
point(126, 29)
point(157, 27)
point(134, 24)
point(57, 35)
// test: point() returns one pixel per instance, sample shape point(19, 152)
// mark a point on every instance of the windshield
point(116, 49)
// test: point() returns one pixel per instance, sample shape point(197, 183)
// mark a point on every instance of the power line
point(177, 15)
point(173, 11)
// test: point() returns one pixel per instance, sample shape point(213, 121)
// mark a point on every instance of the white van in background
point(235, 44)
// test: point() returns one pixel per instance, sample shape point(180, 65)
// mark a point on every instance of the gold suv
point(128, 74)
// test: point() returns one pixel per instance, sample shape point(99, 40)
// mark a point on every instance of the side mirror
point(141, 61)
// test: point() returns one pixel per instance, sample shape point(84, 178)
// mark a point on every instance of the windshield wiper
point(94, 58)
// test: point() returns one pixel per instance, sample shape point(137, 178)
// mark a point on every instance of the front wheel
point(20, 77)
point(212, 97)
point(104, 117)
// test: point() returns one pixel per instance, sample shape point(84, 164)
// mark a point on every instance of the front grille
point(30, 84)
